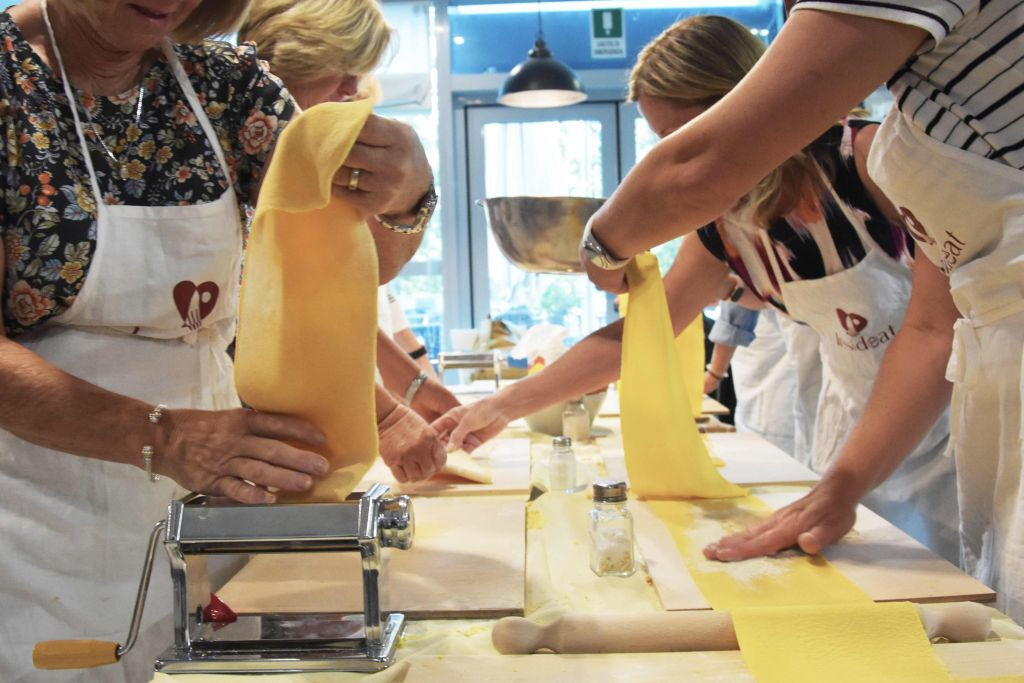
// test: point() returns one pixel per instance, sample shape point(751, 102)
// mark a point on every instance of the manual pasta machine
point(494, 361)
point(206, 642)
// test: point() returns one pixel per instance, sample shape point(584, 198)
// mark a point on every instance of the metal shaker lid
point(609, 491)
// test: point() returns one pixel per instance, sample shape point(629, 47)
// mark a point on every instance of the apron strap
point(73, 103)
point(197, 108)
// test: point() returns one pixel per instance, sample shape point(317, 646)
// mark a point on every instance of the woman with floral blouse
point(128, 163)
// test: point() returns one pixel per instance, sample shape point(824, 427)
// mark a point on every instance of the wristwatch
point(596, 253)
point(424, 210)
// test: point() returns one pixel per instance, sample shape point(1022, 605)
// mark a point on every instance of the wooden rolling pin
point(688, 631)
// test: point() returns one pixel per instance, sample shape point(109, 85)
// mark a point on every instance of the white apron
point(766, 384)
point(856, 313)
point(977, 237)
point(802, 352)
point(152, 321)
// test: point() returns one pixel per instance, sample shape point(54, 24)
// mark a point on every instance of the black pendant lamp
point(541, 80)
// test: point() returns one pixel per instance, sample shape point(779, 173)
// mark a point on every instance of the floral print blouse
point(48, 211)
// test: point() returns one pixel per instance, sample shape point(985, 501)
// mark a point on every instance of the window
point(409, 94)
point(556, 152)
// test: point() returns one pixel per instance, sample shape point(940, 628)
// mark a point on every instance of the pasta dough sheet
point(878, 642)
point(665, 455)
point(462, 465)
point(307, 320)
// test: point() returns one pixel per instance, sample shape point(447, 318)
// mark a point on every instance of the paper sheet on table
point(665, 455)
point(308, 317)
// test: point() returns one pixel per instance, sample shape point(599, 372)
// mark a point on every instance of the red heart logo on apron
point(195, 302)
point(851, 322)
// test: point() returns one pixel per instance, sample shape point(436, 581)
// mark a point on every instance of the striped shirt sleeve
point(937, 17)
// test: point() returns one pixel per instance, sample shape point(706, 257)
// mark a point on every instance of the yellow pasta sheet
point(877, 642)
point(665, 455)
point(307, 317)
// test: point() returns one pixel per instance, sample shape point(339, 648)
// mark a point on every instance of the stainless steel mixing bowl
point(540, 234)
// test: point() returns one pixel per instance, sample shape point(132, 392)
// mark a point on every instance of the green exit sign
point(607, 34)
point(607, 23)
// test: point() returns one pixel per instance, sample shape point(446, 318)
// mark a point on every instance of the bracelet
point(715, 374)
point(414, 386)
point(147, 451)
point(418, 353)
point(736, 294)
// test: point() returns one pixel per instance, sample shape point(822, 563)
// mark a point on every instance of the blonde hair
point(697, 61)
point(306, 40)
point(209, 18)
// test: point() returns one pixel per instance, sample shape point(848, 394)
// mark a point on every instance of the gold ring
point(353, 180)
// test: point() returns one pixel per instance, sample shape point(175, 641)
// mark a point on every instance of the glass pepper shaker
point(611, 531)
point(576, 421)
point(562, 465)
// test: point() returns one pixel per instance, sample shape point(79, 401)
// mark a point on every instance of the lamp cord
point(540, 22)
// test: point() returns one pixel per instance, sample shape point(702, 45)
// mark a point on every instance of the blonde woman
point(324, 51)
point(815, 241)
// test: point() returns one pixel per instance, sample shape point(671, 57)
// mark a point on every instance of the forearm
point(590, 365)
point(44, 405)
point(397, 369)
point(394, 249)
point(909, 395)
point(709, 164)
point(721, 357)
point(385, 403)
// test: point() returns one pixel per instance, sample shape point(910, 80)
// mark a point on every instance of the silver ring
point(353, 180)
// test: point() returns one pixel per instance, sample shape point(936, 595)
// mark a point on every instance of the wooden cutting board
point(507, 459)
point(467, 560)
point(750, 460)
point(884, 562)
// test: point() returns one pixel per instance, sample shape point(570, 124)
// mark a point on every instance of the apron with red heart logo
point(857, 313)
point(967, 214)
point(152, 321)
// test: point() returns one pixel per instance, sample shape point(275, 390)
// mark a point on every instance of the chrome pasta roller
point(473, 360)
point(210, 639)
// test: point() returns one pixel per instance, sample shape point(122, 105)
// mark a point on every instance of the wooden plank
point(508, 460)
point(883, 561)
point(467, 560)
point(710, 406)
point(963, 660)
point(750, 460)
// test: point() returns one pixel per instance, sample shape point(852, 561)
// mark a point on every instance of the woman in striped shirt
point(812, 241)
point(950, 158)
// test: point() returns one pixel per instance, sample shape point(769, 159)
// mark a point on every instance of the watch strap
point(598, 254)
point(424, 212)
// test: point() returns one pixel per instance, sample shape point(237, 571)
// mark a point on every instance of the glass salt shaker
point(562, 465)
point(576, 421)
point(611, 531)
